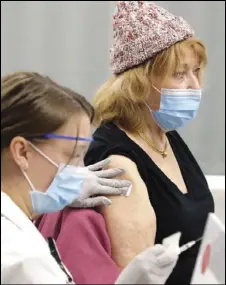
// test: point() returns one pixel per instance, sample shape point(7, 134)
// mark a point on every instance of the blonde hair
point(121, 98)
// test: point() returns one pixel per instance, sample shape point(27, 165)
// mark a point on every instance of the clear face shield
point(76, 159)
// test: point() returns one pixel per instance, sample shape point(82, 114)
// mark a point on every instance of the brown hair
point(87, 107)
point(33, 105)
point(121, 99)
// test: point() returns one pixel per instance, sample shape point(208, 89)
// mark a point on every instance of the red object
point(206, 258)
point(83, 244)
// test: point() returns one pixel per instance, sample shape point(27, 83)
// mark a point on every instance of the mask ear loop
point(156, 89)
point(28, 180)
point(44, 155)
point(149, 108)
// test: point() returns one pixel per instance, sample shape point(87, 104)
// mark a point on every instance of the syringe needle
point(189, 245)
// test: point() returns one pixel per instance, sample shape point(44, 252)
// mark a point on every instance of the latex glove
point(152, 266)
point(98, 183)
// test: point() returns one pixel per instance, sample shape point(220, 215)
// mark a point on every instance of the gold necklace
point(162, 152)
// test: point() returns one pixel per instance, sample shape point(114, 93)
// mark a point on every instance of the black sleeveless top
point(174, 210)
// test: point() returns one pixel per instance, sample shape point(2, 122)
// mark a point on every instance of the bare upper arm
point(130, 221)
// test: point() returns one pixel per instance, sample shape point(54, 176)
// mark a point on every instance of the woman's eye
point(180, 74)
point(197, 70)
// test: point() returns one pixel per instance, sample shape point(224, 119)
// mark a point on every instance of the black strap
point(55, 253)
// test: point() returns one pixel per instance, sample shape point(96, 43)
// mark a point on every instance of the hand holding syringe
point(173, 241)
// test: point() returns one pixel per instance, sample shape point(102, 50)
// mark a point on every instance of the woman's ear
point(19, 151)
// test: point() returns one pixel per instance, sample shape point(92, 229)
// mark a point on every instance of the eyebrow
point(186, 66)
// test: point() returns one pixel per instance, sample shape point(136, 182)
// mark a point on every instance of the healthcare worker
point(45, 132)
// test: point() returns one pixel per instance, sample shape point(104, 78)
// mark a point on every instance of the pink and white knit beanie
point(141, 30)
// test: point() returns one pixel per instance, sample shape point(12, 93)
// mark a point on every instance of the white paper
point(210, 264)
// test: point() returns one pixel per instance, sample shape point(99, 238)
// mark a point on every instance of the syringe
point(189, 245)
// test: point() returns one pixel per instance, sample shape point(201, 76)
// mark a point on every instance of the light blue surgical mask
point(63, 190)
point(177, 108)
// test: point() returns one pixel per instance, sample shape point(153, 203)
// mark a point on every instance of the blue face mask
point(65, 187)
point(177, 108)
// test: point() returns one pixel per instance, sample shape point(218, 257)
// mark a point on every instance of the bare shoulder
point(139, 194)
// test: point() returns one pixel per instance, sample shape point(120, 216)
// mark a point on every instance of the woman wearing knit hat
point(157, 66)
